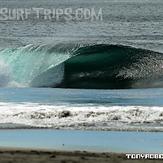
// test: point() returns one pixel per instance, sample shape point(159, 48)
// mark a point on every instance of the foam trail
point(82, 117)
point(4, 74)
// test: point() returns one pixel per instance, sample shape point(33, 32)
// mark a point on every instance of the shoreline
point(86, 129)
point(18, 155)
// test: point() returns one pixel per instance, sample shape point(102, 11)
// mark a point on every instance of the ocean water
point(137, 23)
point(134, 109)
point(121, 52)
point(93, 141)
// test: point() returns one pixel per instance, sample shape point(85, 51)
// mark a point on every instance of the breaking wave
point(81, 66)
point(30, 115)
point(4, 74)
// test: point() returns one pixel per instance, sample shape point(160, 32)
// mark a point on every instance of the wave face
point(29, 62)
point(4, 74)
point(113, 66)
point(81, 66)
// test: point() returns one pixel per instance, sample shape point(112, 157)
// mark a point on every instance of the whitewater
point(118, 118)
point(126, 110)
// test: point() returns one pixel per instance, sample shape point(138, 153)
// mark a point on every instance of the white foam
point(4, 74)
point(32, 65)
point(82, 117)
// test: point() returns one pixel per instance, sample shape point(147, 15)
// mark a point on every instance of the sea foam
point(34, 115)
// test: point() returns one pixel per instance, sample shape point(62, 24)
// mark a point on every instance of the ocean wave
point(4, 74)
point(89, 117)
point(84, 66)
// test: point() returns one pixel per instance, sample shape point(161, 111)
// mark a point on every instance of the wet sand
point(42, 156)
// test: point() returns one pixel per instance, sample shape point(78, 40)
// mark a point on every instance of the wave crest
point(82, 66)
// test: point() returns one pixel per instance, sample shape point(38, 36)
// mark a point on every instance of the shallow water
point(131, 142)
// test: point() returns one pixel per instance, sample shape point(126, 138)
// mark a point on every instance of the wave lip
point(82, 117)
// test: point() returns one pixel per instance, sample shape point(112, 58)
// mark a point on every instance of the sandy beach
point(40, 156)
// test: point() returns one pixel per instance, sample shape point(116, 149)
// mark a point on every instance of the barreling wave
point(83, 66)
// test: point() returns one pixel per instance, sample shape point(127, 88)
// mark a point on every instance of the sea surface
point(130, 22)
point(90, 141)
point(134, 109)
point(34, 53)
